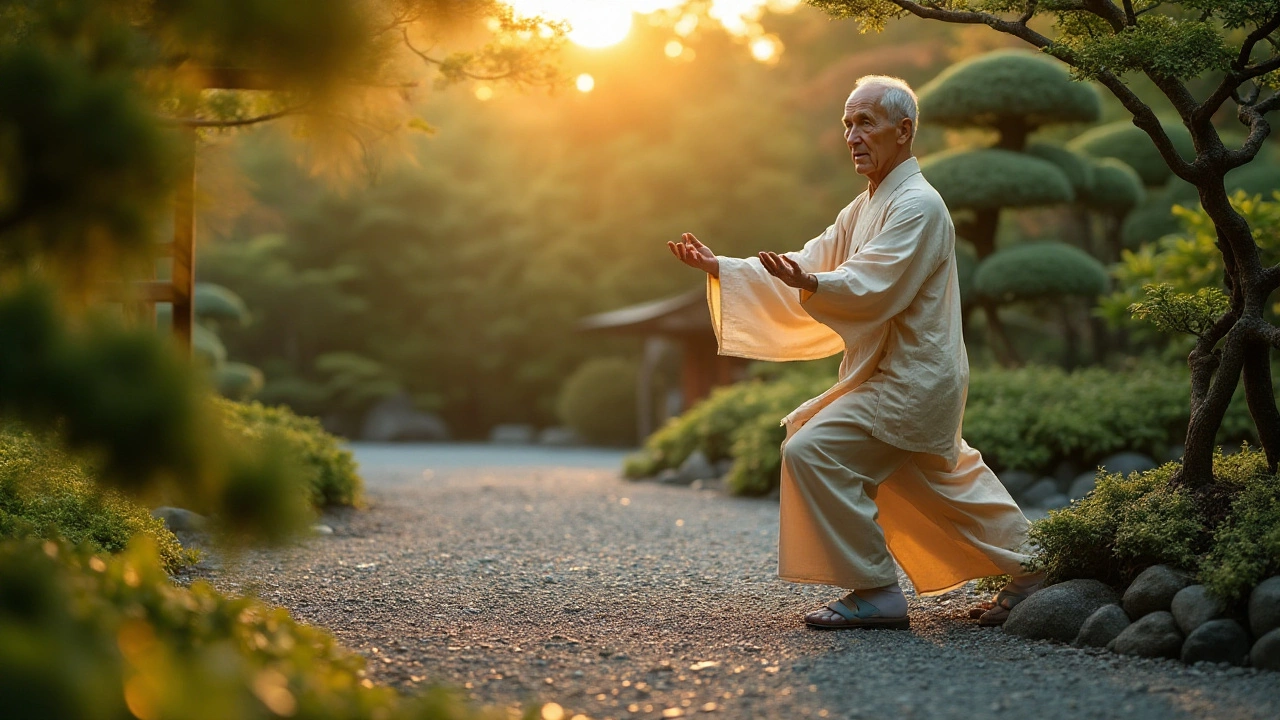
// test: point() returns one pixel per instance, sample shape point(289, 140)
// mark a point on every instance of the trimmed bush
point(215, 302)
point(237, 381)
point(990, 179)
point(1078, 168)
point(1116, 188)
point(1131, 145)
point(86, 636)
point(330, 470)
point(599, 402)
point(1030, 419)
point(1037, 270)
point(985, 90)
point(44, 493)
point(1229, 537)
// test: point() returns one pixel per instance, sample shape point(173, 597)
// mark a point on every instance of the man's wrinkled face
point(874, 139)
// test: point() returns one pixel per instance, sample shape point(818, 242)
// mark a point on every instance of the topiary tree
point(1235, 44)
point(1130, 145)
point(1013, 93)
point(1115, 193)
point(598, 401)
point(1051, 271)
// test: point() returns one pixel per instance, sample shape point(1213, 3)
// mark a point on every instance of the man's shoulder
point(917, 194)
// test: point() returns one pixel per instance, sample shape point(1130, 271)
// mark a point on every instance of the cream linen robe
point(888, 297)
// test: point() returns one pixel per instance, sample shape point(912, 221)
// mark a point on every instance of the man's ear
point(905, 130)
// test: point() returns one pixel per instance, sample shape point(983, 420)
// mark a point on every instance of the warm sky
point(601, 23)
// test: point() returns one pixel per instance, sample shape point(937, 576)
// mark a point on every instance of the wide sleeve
point(757, 316)
point(881, 280)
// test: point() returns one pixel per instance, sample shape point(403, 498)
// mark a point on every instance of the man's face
point(873, 138)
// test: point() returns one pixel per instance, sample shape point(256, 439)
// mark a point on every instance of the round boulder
point(1035, 495)
point(1082, 485)
point(1058, 611)
point(697, 467)
point(1015, 481)
point(1153, 590)
point(1217, 641)
point(1265, 654)
point(180, 520)
point(1103, 626)
point(1264, 607)
point(1194, 606)
point(1128, 462)
point(1153, 635)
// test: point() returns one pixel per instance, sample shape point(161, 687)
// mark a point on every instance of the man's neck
point(874, 182)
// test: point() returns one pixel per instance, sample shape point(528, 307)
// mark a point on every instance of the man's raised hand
point(786, 270)
point(695, 254)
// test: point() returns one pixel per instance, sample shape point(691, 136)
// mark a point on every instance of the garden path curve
point(531, 575)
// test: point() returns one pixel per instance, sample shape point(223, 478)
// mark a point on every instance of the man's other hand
point(695, 254)
point(786, 270)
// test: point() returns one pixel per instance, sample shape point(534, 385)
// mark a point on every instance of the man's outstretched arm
point(693, 253)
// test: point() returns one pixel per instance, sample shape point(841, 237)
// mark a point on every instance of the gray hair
point(898, 99)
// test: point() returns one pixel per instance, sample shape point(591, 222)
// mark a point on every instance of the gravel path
point(527, 576)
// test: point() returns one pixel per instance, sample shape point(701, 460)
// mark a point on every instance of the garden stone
point(1103, 626)
point(1194, 606)
point(1265, 654)
point(1264, 607)
point(1015, 481)
point(321, 529)
point(559, 437)
point(1174, 452)
point(1058, 611)
point(1127, 462)
point(1153, 590)
point(1153, 635)
point(1055, 501)
point(1064, 472)
point(697, 467)
point(1082, 485)
point(179, 520)
point(1039, 492)
point(395, 419)
point(723, 466)
point(512, 434)
point(1217, 641)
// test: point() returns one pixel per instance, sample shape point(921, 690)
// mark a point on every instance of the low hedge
point(1229, 536)
point(90, 636)
point(330, 470)
point(47, 494)
point(1030, 418)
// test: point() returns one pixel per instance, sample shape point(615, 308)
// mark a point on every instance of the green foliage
point(1189, 262)
point(207, 347)
point(47, 494)
point(992, 178)
point(741, 421)
point(1130, 523)
point(329, 470)
point(990, 90)
point(1034, 417)
point(217, 303)
point(84, 636)
point(1132, 146)
point(1172, 311)
point(1154, 218)
point(1030, 418)
point(598, 401)
point(1078, 169)
point(1037, 270)
point(966, 268)
point(237, 381)
point(1116, 188)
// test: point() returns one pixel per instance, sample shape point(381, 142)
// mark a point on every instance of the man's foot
point(857, 609)
point(1015, 591)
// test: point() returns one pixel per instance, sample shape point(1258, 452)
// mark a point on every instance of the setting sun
point(592, 25)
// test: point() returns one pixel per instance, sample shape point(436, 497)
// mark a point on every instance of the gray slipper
point(865, 615)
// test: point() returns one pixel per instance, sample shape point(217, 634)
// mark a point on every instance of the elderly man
point(874, 470)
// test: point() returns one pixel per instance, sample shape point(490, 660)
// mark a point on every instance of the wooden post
point(184, 249)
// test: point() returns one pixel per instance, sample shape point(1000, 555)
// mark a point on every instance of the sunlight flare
point(586, 83)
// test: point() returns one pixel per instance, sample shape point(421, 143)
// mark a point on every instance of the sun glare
point(603, 23)
point(586, 83)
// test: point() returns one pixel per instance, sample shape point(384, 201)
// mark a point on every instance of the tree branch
point(404, 31)
point(1240, 69)
point(202, 123)
point(1255, 117)
point(1143, 116)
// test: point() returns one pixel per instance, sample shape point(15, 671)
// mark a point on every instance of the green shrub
point(85, 636)
point(1131, 145)
point(1041, 269)
point(45, 493)
point(1128, 524)
point(329, 469)
point(991, 178)
point(599, 402)
point(237, 381)
point(989, 89)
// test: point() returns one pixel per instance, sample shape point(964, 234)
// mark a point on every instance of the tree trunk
point(1260, 394)
point(1070, 338)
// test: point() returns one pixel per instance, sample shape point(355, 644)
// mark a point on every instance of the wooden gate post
point(184, 247)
